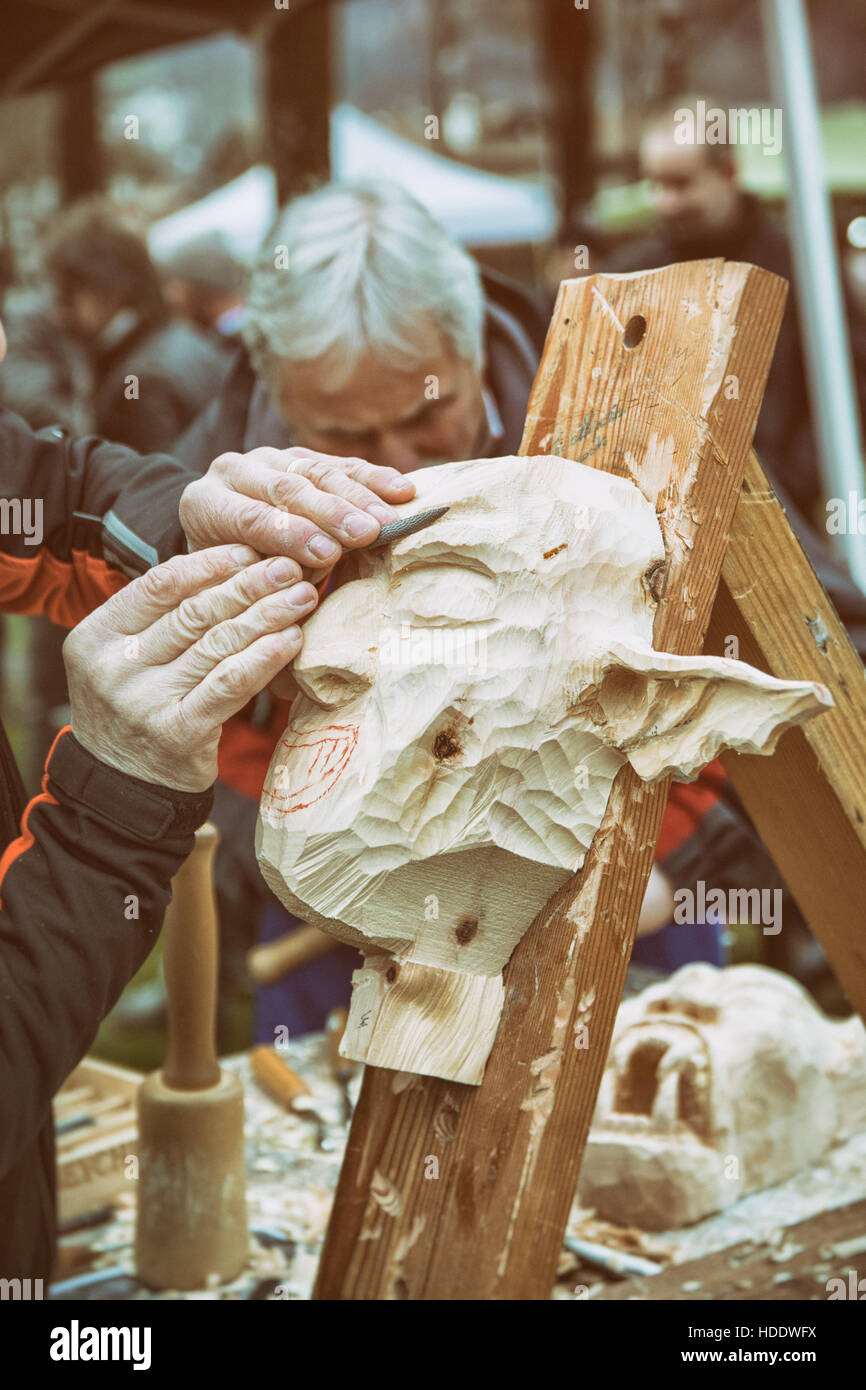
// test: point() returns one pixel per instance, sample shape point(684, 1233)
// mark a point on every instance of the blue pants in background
point(675, 945)
point(302, 1000)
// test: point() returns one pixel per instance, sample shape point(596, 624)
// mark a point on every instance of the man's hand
point(292, 502)
point(155, 672)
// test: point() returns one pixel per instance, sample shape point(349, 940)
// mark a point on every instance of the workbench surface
point(291, 1183)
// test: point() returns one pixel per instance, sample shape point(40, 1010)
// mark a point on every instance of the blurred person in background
point(44, 378)
point(106, 358)
point(150, 372)
point(702, 211)
point(202, 282)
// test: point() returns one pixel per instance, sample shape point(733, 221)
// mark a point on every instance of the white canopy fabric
point(240, 213)
point(476, 207)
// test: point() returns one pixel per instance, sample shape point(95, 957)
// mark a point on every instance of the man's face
point(691, 196)
point(398, 419)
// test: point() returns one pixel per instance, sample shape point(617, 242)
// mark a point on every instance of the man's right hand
point(292, 502)
point(156, 671)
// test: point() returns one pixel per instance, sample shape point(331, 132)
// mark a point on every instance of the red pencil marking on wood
point(300, 782)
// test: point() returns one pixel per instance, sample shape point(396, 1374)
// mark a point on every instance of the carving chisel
point(406, 526)
point(288, 1089)
point(342, 1068)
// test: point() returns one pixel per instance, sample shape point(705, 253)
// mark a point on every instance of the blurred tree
point(567, 37)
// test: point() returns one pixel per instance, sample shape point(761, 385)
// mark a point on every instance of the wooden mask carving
point(468, 696)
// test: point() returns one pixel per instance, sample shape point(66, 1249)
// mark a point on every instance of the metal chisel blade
point(406, 526)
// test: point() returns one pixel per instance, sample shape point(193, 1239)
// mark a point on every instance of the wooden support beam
point(568, 38)
point(79, 152)
point(808, 802)
point(658, 377)
point(297, 95)
point(64, 41)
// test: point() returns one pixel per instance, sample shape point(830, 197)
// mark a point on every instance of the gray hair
point(357, 267)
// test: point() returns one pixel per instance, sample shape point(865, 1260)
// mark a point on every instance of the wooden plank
point(795, 1267)
point(450, 1192)
point(808, 801)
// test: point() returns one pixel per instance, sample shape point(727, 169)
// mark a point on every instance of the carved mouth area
point(662, 1081)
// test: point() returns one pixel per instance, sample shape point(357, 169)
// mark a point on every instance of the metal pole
point(823, 326)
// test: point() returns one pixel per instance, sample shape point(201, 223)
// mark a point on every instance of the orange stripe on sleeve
point(25, 839)
point(63, 590)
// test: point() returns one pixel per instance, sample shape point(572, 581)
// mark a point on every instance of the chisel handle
point(274, 959)
point(335, 1026)
point(276, 1077)
point(190, 964)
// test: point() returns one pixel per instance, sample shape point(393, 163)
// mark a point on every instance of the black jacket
point(127, 519)
point(176, 371)
point(84, 880)
point(84, 889)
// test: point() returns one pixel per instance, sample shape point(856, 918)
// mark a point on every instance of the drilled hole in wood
point(634, 331)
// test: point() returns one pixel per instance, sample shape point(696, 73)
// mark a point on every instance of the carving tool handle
point(276, 1077)
point(190, 964)
point(341, 1067)
point(273, 960)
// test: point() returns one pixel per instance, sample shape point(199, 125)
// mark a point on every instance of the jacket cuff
point(143, 809)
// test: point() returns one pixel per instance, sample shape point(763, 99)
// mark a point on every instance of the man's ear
point(676, 713)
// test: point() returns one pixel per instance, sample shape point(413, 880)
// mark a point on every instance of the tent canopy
point(477, 208)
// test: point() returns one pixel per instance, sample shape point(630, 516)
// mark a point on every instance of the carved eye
point(331, 687)
point(448, 593)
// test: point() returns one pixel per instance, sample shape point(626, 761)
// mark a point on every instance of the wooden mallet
point(192, 1220)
